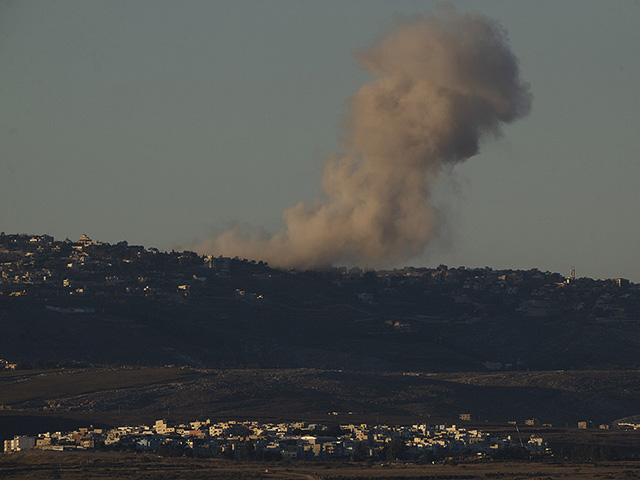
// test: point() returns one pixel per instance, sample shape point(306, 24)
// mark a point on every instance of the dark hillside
point(88, 303)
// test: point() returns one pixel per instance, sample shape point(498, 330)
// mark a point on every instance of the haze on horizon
point(162, 123)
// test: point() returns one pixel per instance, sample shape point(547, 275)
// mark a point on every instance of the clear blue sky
point(160, 122)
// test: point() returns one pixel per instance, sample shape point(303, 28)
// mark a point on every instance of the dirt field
point(98, 465)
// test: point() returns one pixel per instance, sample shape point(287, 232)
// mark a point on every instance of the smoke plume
point(440, 84)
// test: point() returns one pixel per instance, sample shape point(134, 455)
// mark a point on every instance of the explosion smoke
point(440, 84)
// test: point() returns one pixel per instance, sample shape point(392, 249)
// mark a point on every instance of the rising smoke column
point(440, 83)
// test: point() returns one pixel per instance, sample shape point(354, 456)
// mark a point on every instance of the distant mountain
point(86, 302)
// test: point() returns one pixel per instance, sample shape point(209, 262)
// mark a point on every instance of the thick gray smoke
point(440, 83)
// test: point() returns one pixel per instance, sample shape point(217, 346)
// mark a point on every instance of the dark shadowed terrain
point(88, 303)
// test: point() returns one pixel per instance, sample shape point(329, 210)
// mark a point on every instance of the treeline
point(592, 453)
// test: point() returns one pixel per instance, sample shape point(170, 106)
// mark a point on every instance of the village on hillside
point(39, 266)
point(471, 318)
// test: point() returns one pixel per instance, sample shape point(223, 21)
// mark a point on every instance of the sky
point(164, 123)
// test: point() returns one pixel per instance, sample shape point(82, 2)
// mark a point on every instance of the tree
point(396, 450)
point(333, 431)
point(591, 453)
point(360, 452)
point(247, 452)
point(511, 453)
point(428, 456)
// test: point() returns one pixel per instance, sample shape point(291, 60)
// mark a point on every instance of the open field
point(18, 386)
point(117, 395)
point(83, 465)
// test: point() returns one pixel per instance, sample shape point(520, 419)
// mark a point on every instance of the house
point(220, 264)
point(84, 240)
point(19, 443)
point(164, 426)
point(7, 365)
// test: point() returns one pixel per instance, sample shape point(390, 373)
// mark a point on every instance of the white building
point(21, 442)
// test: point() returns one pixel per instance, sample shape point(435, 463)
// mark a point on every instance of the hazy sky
point(163, 123)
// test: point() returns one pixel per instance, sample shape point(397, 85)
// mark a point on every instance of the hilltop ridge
point(88, 302)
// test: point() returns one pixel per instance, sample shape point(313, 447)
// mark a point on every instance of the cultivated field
point(87, 465)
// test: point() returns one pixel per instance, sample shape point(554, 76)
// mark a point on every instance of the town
point(252, 440)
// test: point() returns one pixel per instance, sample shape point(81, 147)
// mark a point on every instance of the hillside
point(89, 303)
point(118, 396)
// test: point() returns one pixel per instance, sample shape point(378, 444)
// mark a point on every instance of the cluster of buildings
point(629, 425)
point(7, 365)
point(532, 293)
point(289, 441)
point(38, 265)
